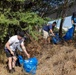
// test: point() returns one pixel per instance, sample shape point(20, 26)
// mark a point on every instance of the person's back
point(47, 27)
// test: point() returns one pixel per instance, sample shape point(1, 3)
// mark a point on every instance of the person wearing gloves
point(73, 20)
point(47, 29)
point(10, 49)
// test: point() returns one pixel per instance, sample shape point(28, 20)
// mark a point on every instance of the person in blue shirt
point(47, 29)
point(73, 20)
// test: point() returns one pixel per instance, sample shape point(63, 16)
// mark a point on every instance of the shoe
point(13, 69)
point(10, 71)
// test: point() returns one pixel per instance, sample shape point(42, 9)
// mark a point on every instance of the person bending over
point(47, 29)
point(10, 49)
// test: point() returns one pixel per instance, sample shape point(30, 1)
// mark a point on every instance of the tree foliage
point(13, 16)
point(27, 15)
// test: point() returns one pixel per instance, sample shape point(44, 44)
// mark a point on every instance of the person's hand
point(12, 52)
point(28, 55)
point(53, 35)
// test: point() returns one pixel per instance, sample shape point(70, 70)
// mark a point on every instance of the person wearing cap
point(48, 29)
point(10, 49)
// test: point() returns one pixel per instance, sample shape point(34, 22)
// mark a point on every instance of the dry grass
point(52, 59)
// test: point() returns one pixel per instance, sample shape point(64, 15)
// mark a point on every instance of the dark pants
point(8, 54)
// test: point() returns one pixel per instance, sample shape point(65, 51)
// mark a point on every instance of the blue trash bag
point(30, 65)
point(69, 34)
point(56, 39)
point(21, 60)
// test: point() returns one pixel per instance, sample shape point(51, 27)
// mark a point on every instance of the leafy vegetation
point(28, 15)
point(15, 17)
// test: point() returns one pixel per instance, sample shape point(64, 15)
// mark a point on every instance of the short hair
point(20, 33)
point(54, 22)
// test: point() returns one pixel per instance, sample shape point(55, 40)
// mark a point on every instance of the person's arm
point(8, 47)
point(52, 32)
point(24, 49)
point(72, 21)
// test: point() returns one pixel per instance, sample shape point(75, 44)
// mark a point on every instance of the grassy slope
point(53, 60)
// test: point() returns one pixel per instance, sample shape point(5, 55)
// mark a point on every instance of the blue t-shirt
point(47, 27)
point(74, 19)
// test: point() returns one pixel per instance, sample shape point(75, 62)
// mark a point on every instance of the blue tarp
point(30, 65)
point(56, 39)
point(69, 34)
point(21, 60)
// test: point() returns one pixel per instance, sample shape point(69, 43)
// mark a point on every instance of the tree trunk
point(64, 7)
point(60, 29)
